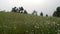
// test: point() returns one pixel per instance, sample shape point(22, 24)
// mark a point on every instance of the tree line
point(57, 12)
point(19, 10)
point(22, 10)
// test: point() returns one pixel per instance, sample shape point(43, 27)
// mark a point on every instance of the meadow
point(16, 23)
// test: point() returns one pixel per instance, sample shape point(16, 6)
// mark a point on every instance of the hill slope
point(16, 23)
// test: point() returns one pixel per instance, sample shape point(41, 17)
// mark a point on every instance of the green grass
point(16, 23)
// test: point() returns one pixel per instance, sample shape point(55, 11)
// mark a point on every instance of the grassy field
point(16, 23)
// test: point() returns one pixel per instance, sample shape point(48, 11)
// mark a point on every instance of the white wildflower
point(36, 27)
point(58, 24)
point(58, 30)
point(55, 31)
point(42, 33)
point(48, 23)
point(32, 30)
point(14, 27)
point(25, 23)
point(37, 24)
point(48, 32)
point(54, 22)
point(26, 31)
point(58, 33)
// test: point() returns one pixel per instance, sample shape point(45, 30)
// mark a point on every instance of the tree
point(46, 15)
point(17, 10)
point(58, 9)
point(25, 12)
point(34, 12)
point(57, 12)
point(41, 14)
point(54, 14)
point(21, 9)
point(14, 9)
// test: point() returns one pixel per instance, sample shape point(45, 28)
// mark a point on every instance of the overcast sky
point(45, 6)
